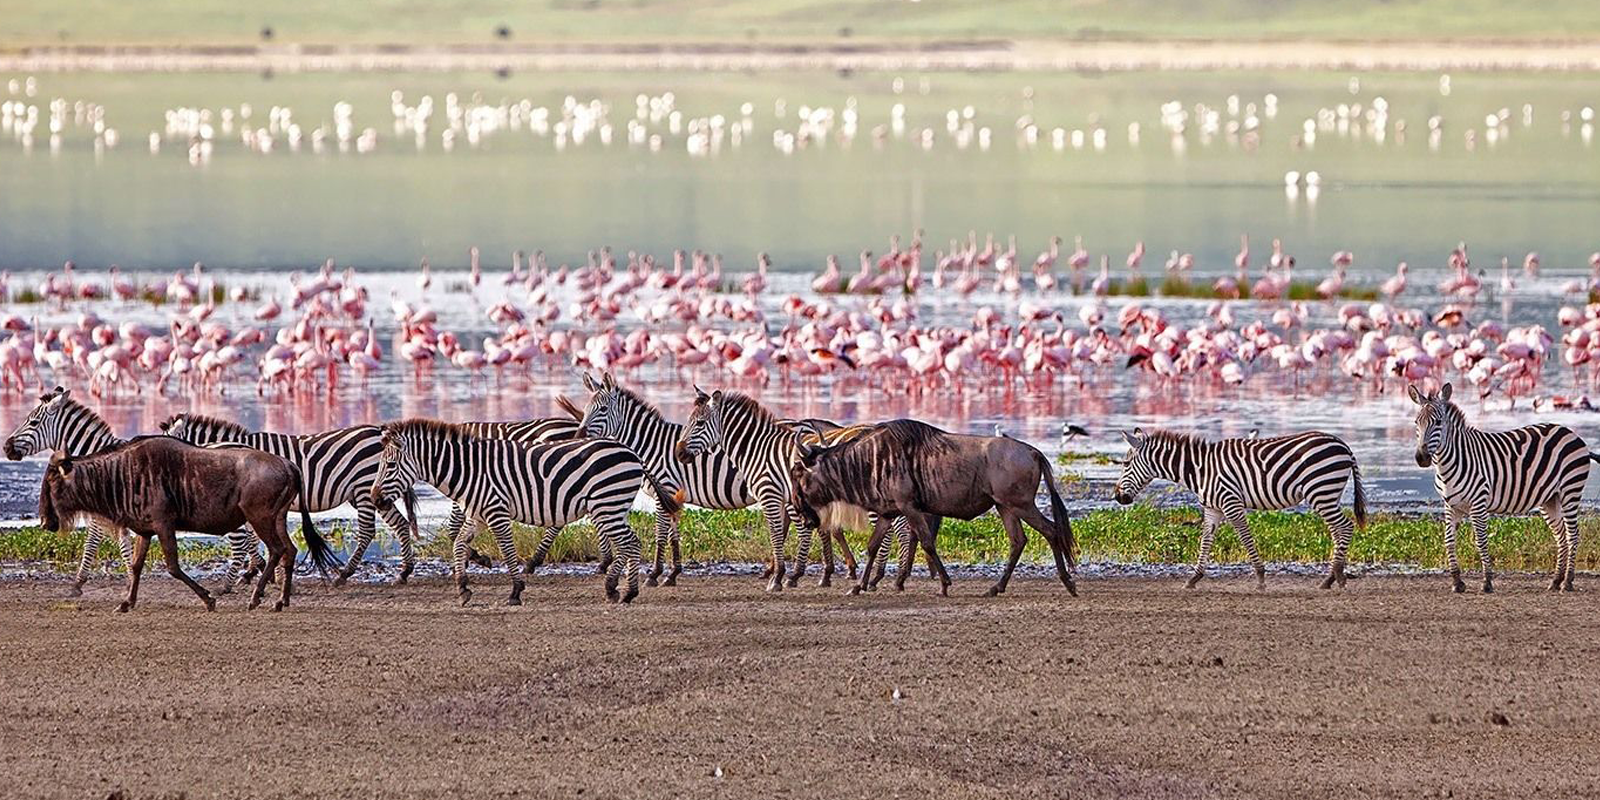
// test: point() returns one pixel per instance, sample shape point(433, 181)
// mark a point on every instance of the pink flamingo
point(1395, 286)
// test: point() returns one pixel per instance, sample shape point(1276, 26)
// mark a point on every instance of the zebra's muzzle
point(1124, 498)
point(681, 452)
point(13, 452)
point(1424, 460)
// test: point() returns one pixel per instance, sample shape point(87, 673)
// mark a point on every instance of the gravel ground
point(1393, 687)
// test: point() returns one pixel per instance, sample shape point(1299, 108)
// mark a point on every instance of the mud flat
point(1393, 687)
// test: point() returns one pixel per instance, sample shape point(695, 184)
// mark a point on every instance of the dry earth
point(1394, 687)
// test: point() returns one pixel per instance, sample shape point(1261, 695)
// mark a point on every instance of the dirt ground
point(1394, 687)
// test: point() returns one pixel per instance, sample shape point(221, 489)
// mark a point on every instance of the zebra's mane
point(430, 427)
point(1167, 436)
point(631, 396)
point(92, 418)
point(743, 404)
point(216, 425)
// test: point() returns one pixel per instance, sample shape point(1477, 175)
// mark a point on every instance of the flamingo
point(1395, 286)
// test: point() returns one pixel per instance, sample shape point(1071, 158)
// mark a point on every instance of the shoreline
point(976, 55)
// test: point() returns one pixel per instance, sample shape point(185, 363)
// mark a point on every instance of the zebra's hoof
point(651, 580)
point(1194, 579)
point(76, 591)
point(339, 581)
point(1488, 587)
point(632, 593)
point(1460, 587)
point(827, 580)
point(225, 588)
point(1327, 583)
point(1568, 587)
point(672, 580)
point(794, 580)
point(122, 608)
point(612, 595)
point(466, 596)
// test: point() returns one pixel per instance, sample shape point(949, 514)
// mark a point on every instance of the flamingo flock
point(625, 312)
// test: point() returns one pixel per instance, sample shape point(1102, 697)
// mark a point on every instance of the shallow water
point(252, 217)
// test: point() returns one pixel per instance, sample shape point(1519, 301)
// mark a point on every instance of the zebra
point(62, 424)
point(534, 431)
point(1479, 473)
point(762, 448)
point(339, 466)
point(1232, 476)
point(498, 481)
point(709, 480)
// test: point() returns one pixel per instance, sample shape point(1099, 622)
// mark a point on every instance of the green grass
point(756, 21)
point(1139, 534)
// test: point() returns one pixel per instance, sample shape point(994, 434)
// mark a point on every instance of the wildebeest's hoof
point(278, 606)
point(854, 590)
point(254, 602)
point(513, 601)
point(1072, 587)
point(211, 603)
point(122, 608)
point(994, 591)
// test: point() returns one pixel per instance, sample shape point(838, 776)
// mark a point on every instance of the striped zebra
point(1479, 473)
point(64, 425)
point(709, 480)
point(338, 466)
point(498, 482)
point(534, 431)
point(1233, 476)
point(762, 448)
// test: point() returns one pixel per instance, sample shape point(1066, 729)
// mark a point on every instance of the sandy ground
point(986, 54)
point(1394, 687)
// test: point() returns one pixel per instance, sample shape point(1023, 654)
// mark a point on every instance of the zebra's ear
point(1444, 392)
point(716, 397)
point(700, 397)
point(608, 381)
point(589, 384)
point(1132, 438)
point(1416, 396)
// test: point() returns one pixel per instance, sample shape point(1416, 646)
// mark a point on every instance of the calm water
point(1395, 198)
point(386, 202)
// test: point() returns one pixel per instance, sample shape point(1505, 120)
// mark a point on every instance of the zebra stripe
point(64, 425)
point(763, 448)
point(338, 466)
point(1479, 473)
point(534, 431)
point(1233, 476)
point(498, 482)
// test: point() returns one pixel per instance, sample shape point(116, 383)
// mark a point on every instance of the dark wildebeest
point(157, 485)
point(913, 470)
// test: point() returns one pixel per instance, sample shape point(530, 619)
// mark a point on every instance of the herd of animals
point(213, 476)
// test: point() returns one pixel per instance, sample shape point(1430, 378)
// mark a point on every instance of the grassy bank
point(1141, 534)
point(223, 22)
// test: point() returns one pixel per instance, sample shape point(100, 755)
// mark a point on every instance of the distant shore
point(998, 55)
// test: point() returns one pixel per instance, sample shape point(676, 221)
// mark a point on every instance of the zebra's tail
point(570, 407)
point(322, 555)
point(1594, 457)
point(666, 502)
point(1361, 495)
point(1058, 509)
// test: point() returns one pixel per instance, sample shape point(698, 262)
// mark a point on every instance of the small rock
point(1499, 718)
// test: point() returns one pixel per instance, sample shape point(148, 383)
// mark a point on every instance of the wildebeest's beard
point(48, 517)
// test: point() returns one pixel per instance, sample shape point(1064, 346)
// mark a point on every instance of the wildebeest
point(909, 469)
point(158, 485)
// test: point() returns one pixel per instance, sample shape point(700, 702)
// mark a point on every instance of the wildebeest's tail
point(666, 501)
point(1361, 494)
point(1058, 509)
point(322, 555)
point(570, 407)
